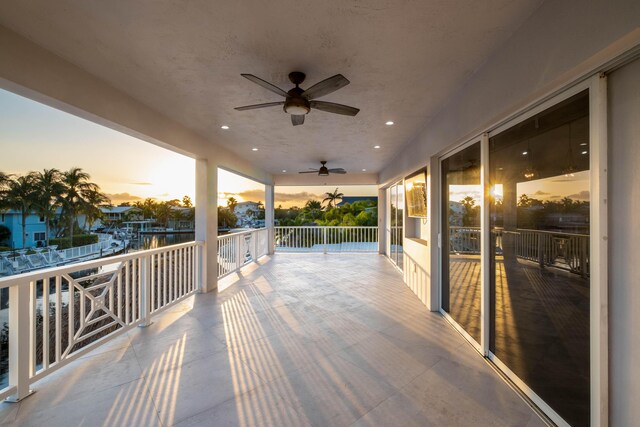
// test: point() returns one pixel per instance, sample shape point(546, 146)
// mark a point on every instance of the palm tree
point(232, 203)
point(19, 194)
point(76, 189)
point(95, 199)
point(48, 193)
point(332, 198)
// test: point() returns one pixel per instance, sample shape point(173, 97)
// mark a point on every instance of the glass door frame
point(598, 330)
point(483, 140)
point(399, 186)
point(597, 87)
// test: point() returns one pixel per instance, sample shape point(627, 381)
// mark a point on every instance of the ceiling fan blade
point(265, 84)
point(315, 171)
point(326, 87)
point(297, 119)
point(255, 106)
point(338, 170)
point(331, 107)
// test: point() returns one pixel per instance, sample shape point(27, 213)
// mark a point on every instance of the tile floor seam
point(146, 386)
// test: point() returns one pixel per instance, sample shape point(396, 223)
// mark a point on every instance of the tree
point(332, 198)
point(163, 212)
point(77, 189)
point(147, 207)
point(186, 202)
point(312, 210)
point(232, 203)
point(226, 217)
point(48, 196)
point(19, 194)
point(95, 199)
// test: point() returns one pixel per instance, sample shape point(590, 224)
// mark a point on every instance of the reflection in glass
point(400, 224)
point(539, 177)
point(396, 202)
point(461, 192)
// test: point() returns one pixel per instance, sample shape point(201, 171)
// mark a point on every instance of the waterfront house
point(35, 226)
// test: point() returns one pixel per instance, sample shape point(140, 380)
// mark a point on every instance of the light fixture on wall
point(529, 172)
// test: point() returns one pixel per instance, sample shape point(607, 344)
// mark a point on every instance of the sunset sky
point(34, 136)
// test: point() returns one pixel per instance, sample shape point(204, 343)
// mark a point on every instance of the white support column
point(433, 203)
point(207, 222)
point(382, 220)
point(269, 217)
point(20, 351)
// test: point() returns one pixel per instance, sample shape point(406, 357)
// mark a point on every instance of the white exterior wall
point(562, 42)
point(624, 245)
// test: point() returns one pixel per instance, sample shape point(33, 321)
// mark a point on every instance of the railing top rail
point(564, 233)
point(520, 230)
point(326, 226)
point(19, 279)
point(236, 233)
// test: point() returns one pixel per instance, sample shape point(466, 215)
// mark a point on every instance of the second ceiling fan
point(298, 102)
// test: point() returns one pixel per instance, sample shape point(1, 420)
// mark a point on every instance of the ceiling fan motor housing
point(295, 103)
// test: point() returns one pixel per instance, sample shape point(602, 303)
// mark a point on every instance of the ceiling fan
point(324, 171)
point(298, 101)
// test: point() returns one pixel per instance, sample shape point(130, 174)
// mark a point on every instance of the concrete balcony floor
point(324, 340)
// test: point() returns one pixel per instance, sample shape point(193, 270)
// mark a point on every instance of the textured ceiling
point(184, 58)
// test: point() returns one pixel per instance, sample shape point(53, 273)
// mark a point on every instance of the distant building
point(35, 227)
point(352, 199)
point(242, 210)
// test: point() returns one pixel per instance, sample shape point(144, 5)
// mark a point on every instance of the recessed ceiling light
point(376, 146)
point(225, 127)
point(284, 170)
point(254, 149)
point(364, 170)
point(389, 123)
point(584, 152)
point(524, 153)
point(583, 143)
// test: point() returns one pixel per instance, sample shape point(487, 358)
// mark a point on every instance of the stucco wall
point(624, 245)
point(560, 37)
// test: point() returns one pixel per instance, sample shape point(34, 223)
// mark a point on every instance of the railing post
point(145, 292)
point(541, 249)
point(198, 267)
point(583, 256)
point(324, 239)
point(239, 238)
point(254, 236)
point(20, 351)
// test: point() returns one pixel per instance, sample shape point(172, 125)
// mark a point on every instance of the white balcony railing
point(238, 249)
point(55, 315)
point(568, 251)
point(326, 239)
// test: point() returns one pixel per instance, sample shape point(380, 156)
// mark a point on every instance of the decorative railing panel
point(57, 314)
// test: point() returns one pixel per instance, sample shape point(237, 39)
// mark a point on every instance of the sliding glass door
point(539, 226)
point(460, 239)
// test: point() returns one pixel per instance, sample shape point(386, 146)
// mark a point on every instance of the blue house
point(35, 227)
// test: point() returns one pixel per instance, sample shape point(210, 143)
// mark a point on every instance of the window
point(42, 219)
point(39, 236)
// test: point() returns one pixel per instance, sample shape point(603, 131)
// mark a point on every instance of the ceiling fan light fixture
point(297, 106)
